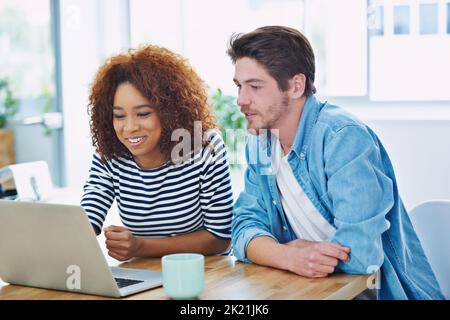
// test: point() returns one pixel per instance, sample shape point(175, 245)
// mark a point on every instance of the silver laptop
point(53, 246)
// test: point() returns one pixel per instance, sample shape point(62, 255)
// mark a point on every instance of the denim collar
point(308, 120)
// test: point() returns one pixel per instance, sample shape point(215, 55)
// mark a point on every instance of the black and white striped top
point(165, 201)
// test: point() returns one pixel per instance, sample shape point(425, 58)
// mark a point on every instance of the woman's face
point(137, 126)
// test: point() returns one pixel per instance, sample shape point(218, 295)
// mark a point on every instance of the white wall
point(419, 148)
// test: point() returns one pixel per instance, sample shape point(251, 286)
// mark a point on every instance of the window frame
point(364, 101)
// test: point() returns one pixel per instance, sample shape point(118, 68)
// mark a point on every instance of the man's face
point(260, 99)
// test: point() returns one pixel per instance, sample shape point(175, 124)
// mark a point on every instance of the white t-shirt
point(306, 221)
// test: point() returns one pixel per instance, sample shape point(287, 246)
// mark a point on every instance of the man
point(320, 192)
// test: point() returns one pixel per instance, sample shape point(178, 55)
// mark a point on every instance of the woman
point(168, 201)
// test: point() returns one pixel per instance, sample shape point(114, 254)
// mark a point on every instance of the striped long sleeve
point(216, 193)
point(166, 201)
point(98, 192)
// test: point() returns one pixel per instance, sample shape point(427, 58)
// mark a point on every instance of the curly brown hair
point(166, 79)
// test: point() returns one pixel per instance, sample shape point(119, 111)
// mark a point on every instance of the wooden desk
point(226, 279)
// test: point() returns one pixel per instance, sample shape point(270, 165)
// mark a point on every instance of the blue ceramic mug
point(183, 275)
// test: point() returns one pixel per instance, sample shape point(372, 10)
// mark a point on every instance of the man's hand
point(121, 243)
point(314, 259)
point(300, 243)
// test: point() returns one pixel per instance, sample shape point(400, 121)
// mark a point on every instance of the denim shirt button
point(285, 228)
point(274, 202)
point(302, 155)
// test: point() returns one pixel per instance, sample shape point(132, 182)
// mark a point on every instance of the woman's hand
point(121, 243)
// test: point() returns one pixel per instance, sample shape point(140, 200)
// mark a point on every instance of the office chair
point(431, 220)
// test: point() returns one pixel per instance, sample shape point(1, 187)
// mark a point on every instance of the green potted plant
point(8, 108)
point(8, 104)
point(232, 126)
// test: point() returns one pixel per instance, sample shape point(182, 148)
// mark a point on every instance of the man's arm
point(267, 252)
point(361, 195)
point(253, 240)
point(309, 259)
point(250, 216)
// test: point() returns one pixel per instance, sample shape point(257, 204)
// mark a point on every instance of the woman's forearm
point(195, 242)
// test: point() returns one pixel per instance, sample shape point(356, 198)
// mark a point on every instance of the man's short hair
point(282, 51)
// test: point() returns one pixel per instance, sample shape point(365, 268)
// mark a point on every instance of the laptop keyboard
point(122, 283)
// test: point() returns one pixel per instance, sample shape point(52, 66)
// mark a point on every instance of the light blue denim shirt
point(346, 173)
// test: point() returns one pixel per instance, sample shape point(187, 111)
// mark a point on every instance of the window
point(428, 18)
point(26, 47)
point(448, 18)
point(412, 68)
point(375, 23)
point(337, 31)
point(373, 49)
point(401, 19)
point(200, 29)
point(28, 61)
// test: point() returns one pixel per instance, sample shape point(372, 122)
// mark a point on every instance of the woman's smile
point(135, 141)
